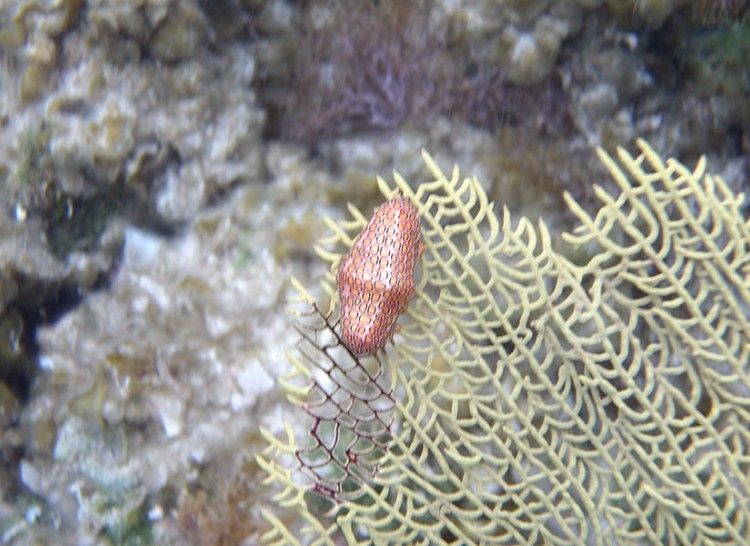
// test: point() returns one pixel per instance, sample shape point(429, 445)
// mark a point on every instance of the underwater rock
point(529, 56)
point(17, 365)
point(99, 93)
point(650, 13)
point(524, 37)
point(10, 406)
point(179, 360)
point(34, 274)
point(111, 112)
point(178, 36)
point(519, 170)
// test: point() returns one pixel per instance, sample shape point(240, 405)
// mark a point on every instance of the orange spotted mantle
point(376, 277)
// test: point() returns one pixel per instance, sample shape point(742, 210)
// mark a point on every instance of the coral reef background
point(164, 165)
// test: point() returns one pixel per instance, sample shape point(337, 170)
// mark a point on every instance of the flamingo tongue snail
point(376, 277)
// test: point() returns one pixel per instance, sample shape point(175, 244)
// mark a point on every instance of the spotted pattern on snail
point(376, 277)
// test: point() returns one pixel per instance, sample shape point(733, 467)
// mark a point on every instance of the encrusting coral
point(528, 398)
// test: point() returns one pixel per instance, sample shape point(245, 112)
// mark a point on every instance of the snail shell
point(376, 277)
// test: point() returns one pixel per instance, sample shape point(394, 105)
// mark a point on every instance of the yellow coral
point(532, 400)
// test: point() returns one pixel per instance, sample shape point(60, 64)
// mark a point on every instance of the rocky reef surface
point(164, 167)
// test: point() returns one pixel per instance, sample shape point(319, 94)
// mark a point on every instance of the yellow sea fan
point(528, 399)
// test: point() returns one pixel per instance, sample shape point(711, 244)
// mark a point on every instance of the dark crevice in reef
point(38, 303)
